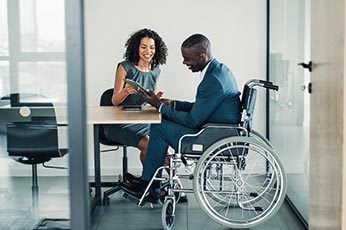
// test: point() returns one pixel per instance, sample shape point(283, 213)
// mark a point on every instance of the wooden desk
point(114, 115)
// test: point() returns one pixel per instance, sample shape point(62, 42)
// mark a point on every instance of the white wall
point(235, 28)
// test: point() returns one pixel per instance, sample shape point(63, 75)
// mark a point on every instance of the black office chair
point(35, 141)
point(106, 100)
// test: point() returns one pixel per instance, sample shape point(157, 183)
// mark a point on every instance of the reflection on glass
point(43, 78)
point(42, 26)
point(3, 28)
point(4, 78)
point(289, 127)
point(39, 32)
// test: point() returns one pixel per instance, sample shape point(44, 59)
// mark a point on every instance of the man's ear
point(202, 56)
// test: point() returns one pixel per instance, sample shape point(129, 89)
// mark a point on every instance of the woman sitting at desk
point(145, 51)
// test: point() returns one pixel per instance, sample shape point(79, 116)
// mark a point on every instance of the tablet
point(136, 85)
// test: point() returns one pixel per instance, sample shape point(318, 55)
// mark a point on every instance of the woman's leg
point(136, 135)
point(142, 146)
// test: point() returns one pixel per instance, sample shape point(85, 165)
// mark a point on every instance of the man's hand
point(166, 101)
point(159, 94)
point(150, 97)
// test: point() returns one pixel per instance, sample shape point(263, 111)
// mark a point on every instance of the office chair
point(106, 100)
point(35, 141)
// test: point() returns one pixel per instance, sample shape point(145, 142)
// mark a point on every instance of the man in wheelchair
point(217, 101)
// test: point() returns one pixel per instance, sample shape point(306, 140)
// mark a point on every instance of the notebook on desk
point(131, 107)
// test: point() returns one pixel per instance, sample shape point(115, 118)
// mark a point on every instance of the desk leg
point(97, 164)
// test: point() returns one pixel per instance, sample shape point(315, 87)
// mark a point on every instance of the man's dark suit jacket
point(217, 100)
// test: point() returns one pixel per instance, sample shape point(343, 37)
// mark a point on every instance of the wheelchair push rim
point(241, 196)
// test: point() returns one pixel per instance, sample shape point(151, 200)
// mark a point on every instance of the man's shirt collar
point(205, 69)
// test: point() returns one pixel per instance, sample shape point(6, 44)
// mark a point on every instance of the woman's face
point(146, 49)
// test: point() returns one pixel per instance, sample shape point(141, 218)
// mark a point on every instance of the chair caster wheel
point(126, 196)
point(90, 191)
point(106, 200)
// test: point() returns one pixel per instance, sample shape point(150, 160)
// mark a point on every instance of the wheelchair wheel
point(240, 162)
point(167, 214)
point(260, 137)
point(239, 182)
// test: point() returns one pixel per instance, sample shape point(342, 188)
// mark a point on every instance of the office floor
point(16, 210)
point(292, 145)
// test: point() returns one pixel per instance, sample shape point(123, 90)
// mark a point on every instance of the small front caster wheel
point(167, 214)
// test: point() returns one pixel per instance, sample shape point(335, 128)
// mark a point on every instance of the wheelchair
point(238, 179)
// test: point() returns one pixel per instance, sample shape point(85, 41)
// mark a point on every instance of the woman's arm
point(120, 92)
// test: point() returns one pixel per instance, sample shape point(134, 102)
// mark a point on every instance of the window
point(3, 28)
point(32, 48)
point(5, 78)
point(42, 26)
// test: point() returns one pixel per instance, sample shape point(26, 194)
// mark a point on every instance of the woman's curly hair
point(132, 47)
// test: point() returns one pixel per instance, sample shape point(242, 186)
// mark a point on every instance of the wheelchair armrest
point(220, 125)
point(195, 144)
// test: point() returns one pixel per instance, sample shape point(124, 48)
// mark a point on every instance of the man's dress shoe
point(129, 178)
point(137, 187)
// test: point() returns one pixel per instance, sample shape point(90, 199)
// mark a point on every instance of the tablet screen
point(136, 85)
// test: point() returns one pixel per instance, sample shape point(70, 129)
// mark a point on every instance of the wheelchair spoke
point(239, 182)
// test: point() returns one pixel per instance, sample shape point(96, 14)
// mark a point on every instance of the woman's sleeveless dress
point(130, 134)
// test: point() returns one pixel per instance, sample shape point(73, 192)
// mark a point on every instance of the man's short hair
point(197, 41)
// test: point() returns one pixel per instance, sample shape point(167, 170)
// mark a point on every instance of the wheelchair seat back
point(195, 144)
point(248, 101)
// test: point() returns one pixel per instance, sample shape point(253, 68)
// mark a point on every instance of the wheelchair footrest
point(136, 196)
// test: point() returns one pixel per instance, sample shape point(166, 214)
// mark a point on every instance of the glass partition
point(5, 77)
point(42, 26)
point(34, 186)
point(44, 77)
point(4, 28)
point(289, 108)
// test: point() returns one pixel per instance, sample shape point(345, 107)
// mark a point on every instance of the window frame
point(15, 55)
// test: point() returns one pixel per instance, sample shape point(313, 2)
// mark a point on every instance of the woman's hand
point(128, 90)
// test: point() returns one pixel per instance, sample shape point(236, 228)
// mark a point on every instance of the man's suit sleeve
point(209, 95)
point(183, 106)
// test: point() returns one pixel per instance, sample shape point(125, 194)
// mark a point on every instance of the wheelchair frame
point(238, 179)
